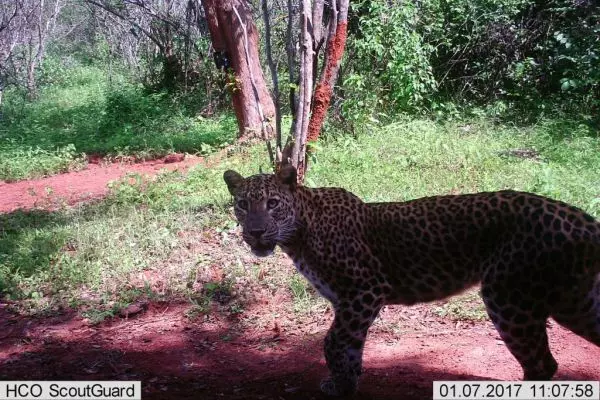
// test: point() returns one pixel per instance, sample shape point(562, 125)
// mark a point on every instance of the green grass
point(305, 298)
point(174, 237)
point(406, 160)
point(88, 114)
point(464, 307)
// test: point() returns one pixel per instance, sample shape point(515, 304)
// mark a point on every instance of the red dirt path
point(260, 355)
point(88, 184)
point(216, 358)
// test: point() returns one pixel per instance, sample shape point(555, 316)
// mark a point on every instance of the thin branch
point(291, 60)
point(318, 20)
point(6, 21)
point(135, 24)
point(274, 78)
point(165, 19)
point(318, 32)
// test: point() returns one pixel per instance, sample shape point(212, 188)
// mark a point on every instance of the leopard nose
point(257, 232)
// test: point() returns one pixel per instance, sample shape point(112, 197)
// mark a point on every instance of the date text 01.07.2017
point(520, 390)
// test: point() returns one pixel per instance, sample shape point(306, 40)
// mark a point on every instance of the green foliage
point(82, 112)
point(475, 43)
point(510, 59)
point(304, 296)
point(392, 56)
point(20, 163)
point(533, 55)
point(134, 120)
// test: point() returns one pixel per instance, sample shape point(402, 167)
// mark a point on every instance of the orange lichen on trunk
point(324, 89)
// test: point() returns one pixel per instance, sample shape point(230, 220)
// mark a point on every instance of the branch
point(333, 24)
point(274, 78)
point(306, 86)
point(6, 21)
point(318, 27)
point(291, 60)
point(135, 24)
point(159, 17)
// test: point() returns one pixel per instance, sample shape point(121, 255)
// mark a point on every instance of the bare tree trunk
point(318, 6)
point(44, 26)
point(291, 56)
point(305, 93)
point(311, 110)
point(235, 40)
point(31, 65)
point(309, 113)
point(1, 92)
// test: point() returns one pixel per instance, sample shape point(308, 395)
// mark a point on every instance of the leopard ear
point(287, 175)
point(233, 180)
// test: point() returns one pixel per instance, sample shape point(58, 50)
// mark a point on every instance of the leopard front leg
point(344, 344)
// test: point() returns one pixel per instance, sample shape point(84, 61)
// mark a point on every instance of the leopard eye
point(272, 203)
point(243, 204)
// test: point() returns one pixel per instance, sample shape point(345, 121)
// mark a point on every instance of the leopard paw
point(343, 386)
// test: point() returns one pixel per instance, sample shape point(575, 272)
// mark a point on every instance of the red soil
point(88, 184)
point(260, 355)
point(215, 357)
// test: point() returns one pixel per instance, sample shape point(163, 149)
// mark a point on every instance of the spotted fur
point(534, 257)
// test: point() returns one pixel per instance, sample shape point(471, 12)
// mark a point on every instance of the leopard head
point(264, 206)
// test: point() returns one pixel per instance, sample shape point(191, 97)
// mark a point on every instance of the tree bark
point(302, 117)
point(336, 42)
point(235, 41)
point(291, 59)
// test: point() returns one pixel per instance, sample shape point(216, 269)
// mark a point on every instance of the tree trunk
point(336, 43)
point(235, 41)
point(31, 85)
point(172, 69)
point(1, 92)
point(46, 20)
point(302, 117)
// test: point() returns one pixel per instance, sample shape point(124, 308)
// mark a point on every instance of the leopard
point(534, 258)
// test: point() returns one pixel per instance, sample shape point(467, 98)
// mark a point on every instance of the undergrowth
point(88, 114)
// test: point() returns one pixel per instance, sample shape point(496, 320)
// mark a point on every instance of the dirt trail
point(88, 184)
point(216, 357)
